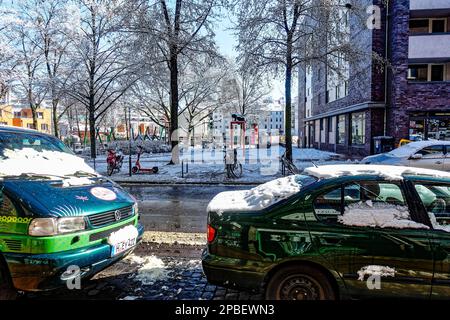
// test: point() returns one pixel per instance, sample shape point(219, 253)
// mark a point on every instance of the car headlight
point(54, 226)
point(135, 208)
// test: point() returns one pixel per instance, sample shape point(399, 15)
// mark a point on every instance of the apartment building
point(22, 117)
point(410, 99)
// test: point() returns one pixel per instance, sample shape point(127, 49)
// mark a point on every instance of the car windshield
point(33, 155)
point(37, 142)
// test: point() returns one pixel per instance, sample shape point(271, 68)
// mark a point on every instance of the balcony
point(429, 48)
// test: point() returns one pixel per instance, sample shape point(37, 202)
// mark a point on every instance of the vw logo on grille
point(117, 215)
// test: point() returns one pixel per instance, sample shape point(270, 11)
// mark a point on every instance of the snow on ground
point(254, 199)
point(259, 165)
point(375, 270)
point(389, 172)
point(151, 269)
point(378, 214)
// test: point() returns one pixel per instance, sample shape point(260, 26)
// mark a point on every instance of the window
point(328, 206)
point(30, 126)
point(358, 128)
point(436, 199)
point(341, 129)
point(437, 72)
point(361, 203)
point(40, 115)
point(438, 25)
point(418, 26)
point(330, 124)
point(432, 152)
point(16, 141)
point(418, 72)
point(44, 127)
point(337, 92)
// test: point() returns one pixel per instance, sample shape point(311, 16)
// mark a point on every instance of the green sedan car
point(335, 232)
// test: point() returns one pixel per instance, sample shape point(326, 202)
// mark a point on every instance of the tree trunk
point(173, 134)
point(92, 134)
point(55, 117)
point(287, 125)
point(85, 127)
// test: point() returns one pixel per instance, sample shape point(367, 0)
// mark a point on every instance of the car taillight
point(211, 234)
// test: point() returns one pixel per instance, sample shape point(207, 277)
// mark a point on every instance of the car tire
point(7, 291)
point(299, 282)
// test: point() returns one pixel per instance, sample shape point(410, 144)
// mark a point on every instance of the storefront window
point(341, 129)
point(358, 128)
point(439, 129)
point(429, 126)
point(417, 130)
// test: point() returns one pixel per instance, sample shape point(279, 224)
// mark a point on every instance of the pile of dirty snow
point(31, 161)
point(388, 172)
point(254, 199)
point(378, 214)
point(151, 269)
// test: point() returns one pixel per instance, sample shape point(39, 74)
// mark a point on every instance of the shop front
point(429, 125)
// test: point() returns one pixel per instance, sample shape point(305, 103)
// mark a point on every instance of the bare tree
point(246, 86)
point(102, 72)
point(178, 28)
point(54, 43)
point(273, 35)
point(200, 95)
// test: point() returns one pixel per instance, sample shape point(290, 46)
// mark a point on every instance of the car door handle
point(438, 162)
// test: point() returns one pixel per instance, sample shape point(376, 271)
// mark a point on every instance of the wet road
point(176, 208)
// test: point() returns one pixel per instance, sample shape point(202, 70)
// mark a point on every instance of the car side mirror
point(417, 156)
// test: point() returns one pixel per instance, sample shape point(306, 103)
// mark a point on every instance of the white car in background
point(430, 154)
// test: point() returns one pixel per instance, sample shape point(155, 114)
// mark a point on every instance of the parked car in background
point(430, 154)
point(335, 232)
point(59, 219)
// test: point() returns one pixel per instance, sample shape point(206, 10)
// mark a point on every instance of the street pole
point(129, 141)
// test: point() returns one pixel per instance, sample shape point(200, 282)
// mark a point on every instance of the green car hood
point(51, 199)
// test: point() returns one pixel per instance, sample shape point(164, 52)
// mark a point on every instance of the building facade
point(406, 98)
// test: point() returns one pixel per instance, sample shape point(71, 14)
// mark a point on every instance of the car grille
point(13, 245)
point(107, 233)
point(105, 218)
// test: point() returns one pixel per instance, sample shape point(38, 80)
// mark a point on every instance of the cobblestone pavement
point(152, 272)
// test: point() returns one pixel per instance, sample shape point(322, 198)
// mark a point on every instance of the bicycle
point(232, 166)
point(289, 165)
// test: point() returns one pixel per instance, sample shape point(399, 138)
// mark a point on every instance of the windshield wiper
point(80, 173)
point(33, 176)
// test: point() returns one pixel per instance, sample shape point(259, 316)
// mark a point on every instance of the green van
point(335, 232)
point(59, 220)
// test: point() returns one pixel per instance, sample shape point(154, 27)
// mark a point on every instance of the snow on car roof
point(254, 199)
point(388, 172)
point(410, 148)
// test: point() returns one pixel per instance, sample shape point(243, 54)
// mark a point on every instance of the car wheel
point(7, 291)
point(299, 282)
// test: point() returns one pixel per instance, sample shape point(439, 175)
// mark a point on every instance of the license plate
point(122, 240)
